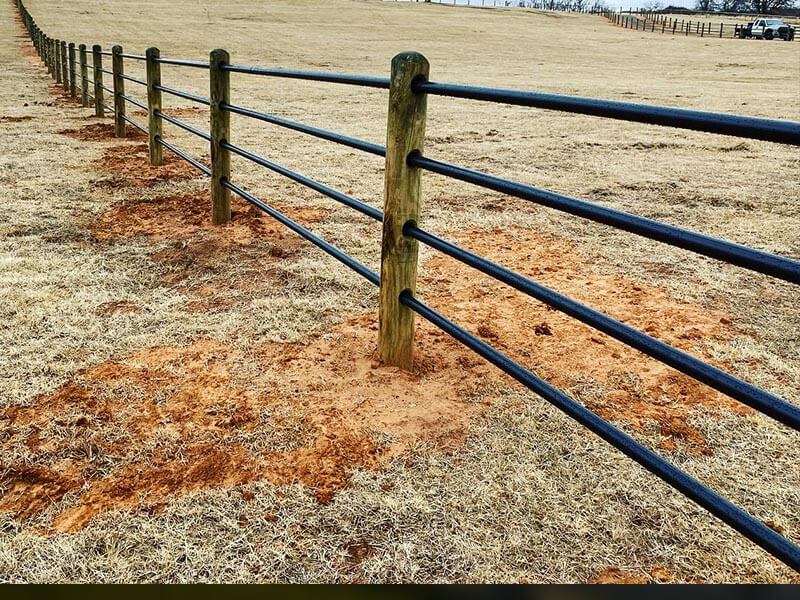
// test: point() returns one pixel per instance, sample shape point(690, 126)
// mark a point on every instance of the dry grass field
point(180, 402)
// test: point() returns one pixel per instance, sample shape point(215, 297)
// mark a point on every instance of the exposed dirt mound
point(199, 257)
point(100, 132)
point(186, 216)
point(615, 381)
point(169, 421)
point(130, 166)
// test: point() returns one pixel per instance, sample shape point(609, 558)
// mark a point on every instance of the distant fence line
point(405, 162)
point(640, 20)
point(661, 23)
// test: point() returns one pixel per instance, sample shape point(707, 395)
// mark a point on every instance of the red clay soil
point(183, 217)
point(171, 419)
point(199, 250)
point(129, 164)
point(101, 132)
point(613, 380)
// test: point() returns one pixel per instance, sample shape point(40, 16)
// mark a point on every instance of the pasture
point(184, 402)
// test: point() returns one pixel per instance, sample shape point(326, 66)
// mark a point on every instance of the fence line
point(405, 164)
point(662, 23)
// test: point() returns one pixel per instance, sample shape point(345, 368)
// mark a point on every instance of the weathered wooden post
point(154, 105)
point(84, 75)
point(119, 91)
point(72, 88)
point(48, 52)
point(54, 59)
point(64, 66)
point(97, 75)
point(220, 126)
point(405, 134)
point(720, 31)
point(57, 59)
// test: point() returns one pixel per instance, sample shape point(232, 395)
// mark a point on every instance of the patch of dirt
point(100, 132)
point(169, 421)
point(129, 164)
point(199, 257)
point(185, 217)
point(615, 381)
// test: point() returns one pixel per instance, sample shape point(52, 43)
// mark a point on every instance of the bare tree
point(767, 7)
point(705, 5)
point(732, 6)
point(652, 5)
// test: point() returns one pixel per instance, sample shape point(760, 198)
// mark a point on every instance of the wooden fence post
point(720, 31)
point(57, 59)
point(72, 88)
point(64, 66)
point(405, 133)
point(97, 75)
point(50, 68)
point(220, 127)
point(154, 105)
point(119, 91)
point(84, 75)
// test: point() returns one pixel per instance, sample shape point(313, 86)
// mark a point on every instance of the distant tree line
point(761, 7)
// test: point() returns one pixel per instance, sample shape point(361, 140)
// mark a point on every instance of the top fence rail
point(771, 130)
point(343, 78)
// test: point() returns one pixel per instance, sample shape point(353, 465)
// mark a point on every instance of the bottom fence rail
point(345, 259)
point(726, 511)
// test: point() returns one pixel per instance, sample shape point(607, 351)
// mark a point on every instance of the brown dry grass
point(198, 403)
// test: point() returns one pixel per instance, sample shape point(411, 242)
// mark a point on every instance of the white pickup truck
point(767, 29)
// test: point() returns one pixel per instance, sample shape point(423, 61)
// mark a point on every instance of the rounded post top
point(218, 57)
point(82, 47)
point(410, 57)
point(116, 49)
point(97, 48)
point(408, 67)
point(152, 52)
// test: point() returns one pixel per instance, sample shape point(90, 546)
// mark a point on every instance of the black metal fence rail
point(184, 155)
point(771, 130)
point(780, 267)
